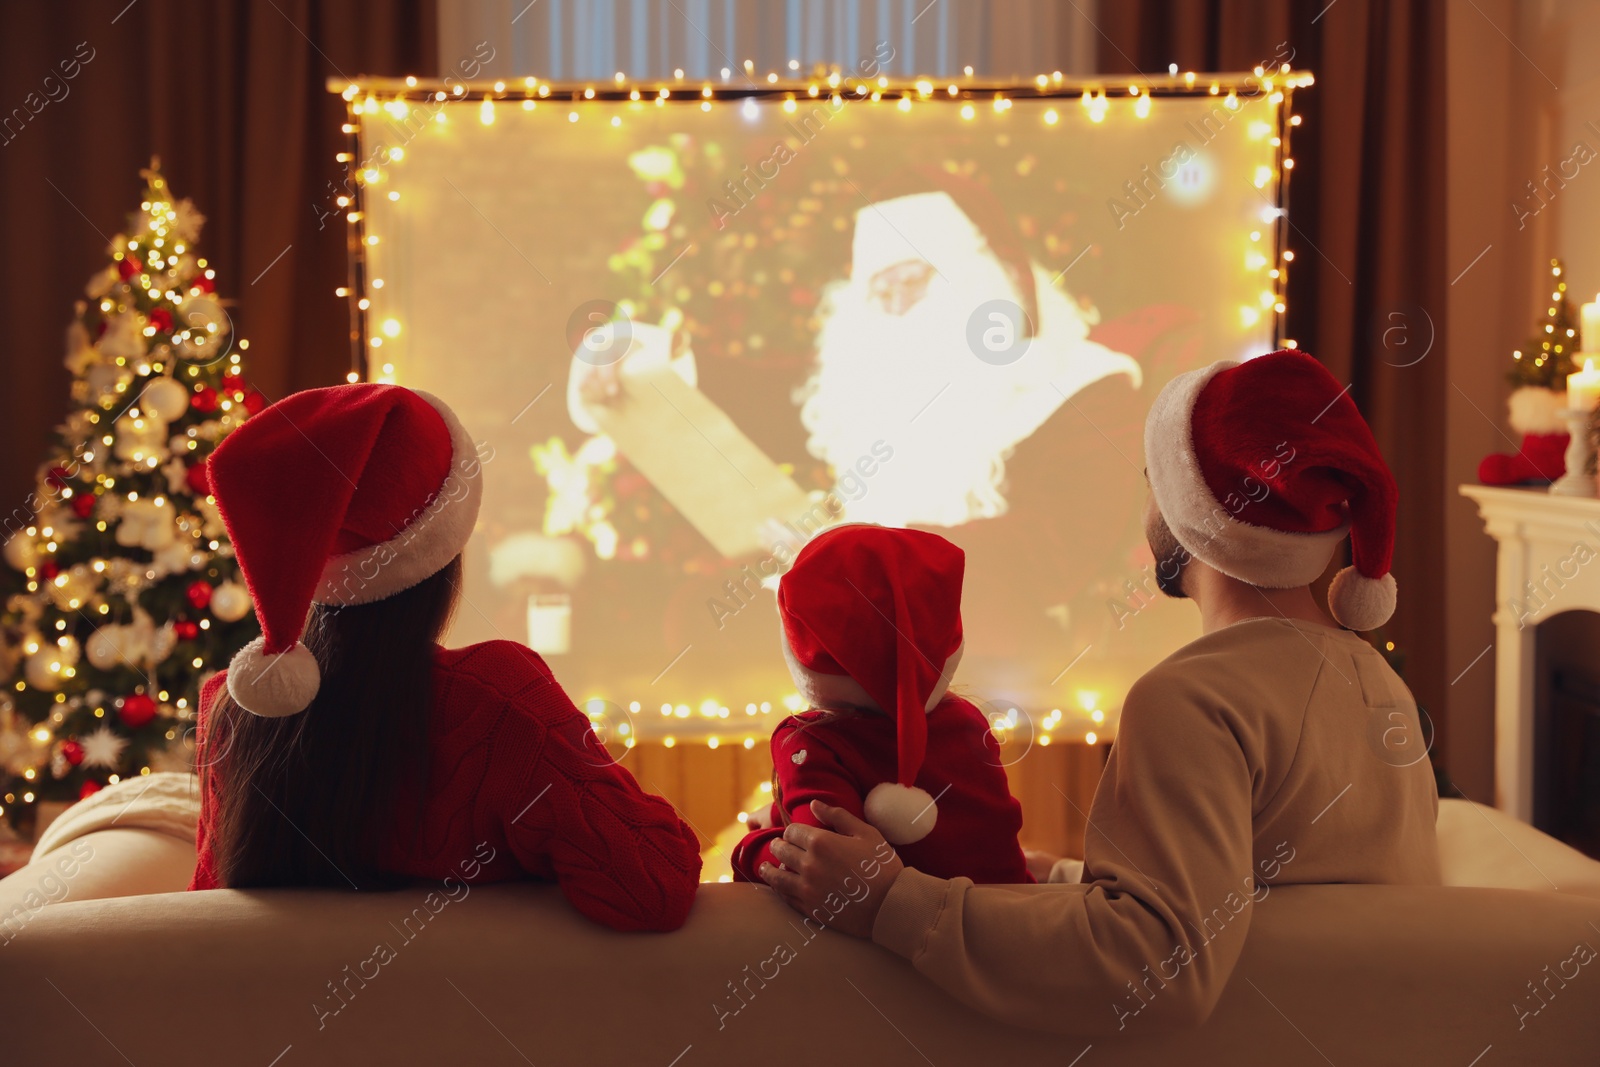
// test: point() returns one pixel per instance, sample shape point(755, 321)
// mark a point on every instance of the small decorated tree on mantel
point(125, 593)
point(1539, 372)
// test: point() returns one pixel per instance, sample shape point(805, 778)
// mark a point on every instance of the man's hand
point(837, 879)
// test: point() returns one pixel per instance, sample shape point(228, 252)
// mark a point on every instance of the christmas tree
point(1546, 360)
point(123, 593)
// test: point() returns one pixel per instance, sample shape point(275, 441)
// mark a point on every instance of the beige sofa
point(1485, 972)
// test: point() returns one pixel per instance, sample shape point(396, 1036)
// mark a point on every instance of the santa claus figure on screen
point(957, 385)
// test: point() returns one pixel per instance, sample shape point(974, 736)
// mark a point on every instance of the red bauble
point(204, 400)
point(49, 569)
point(89, 789)
point(72, 752)
point(83, 505)
point(57, 477)
point(186, 630)
point(198, 478)
point(204, 284)
point(199, 594)
point(161, 319)
point(254, 401)
point(136, 711)
point(128, 266)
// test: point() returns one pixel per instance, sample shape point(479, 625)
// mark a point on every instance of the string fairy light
point(400, 99)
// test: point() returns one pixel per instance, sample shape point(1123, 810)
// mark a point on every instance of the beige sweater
point(1267, 753)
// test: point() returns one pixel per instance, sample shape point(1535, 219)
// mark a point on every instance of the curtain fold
point(1367, 211)
point(231, 97)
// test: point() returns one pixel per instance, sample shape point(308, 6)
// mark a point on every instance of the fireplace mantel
point(1549, 562)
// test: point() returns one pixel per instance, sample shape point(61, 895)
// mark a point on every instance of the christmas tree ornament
point(140, 438)
point(43, 669)
point(205, 399)
point(89, 788)
point(20, 551)
point(165, 398)
point(230, 602)
point(72, 752)
point(199, 594)
point(196, 478)
point(103, 748)
point(146, 523)
point(187, 629)
point(103, 648)
point(136, 710)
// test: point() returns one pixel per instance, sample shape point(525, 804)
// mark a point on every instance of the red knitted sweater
point(514, 765)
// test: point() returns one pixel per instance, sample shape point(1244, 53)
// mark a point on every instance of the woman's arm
point(622, 856)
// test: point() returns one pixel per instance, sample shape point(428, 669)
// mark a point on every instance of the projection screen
point(692, 330)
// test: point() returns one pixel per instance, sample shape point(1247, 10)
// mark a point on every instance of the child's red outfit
point(839, 761)
point(872, 622)
point(354, 494)
point(514, 765)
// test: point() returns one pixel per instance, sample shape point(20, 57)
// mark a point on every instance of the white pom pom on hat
point(344, 495)
point(903, 814)
point(1260, 468)
point(1359, 602)
point(273, 686)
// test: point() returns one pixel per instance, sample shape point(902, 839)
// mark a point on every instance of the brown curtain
point(231, 96)
point(1368, 216)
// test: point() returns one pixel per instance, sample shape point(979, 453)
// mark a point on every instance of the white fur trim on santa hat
point(903, 814)
point(1359, 602)
point(1271, 559)
point(431, 540)
point(835, 690)
point(1535, 409)
point(273, 686)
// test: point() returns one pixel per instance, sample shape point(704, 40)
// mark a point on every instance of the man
point(1243, 761)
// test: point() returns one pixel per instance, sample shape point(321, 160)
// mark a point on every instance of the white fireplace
point(1549, 562)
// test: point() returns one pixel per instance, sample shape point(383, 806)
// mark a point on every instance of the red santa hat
point(1260, 469)
point(876, 612)
point(343, 495)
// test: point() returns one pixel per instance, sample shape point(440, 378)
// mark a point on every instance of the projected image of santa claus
point(1013, 414)
point(946, 341)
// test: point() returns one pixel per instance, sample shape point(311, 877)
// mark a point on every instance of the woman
point(345, 746)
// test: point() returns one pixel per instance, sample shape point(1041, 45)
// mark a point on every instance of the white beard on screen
point(912, 382)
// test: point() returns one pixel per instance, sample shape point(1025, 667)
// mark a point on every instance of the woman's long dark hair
point(311, 799)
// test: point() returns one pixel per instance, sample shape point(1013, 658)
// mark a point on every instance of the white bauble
point(104, 378)
point(139, 437)
point(124, 338)
point(104, 647)
point(201, 311)
point(69, 650)
point(42, 669)
point(165, 398)
point(230, 602)
point(20, 552)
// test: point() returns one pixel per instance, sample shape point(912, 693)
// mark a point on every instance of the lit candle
point(1591, 326)
point(1583, 388)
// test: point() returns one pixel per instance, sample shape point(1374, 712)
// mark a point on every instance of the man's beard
point(1171, 557)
